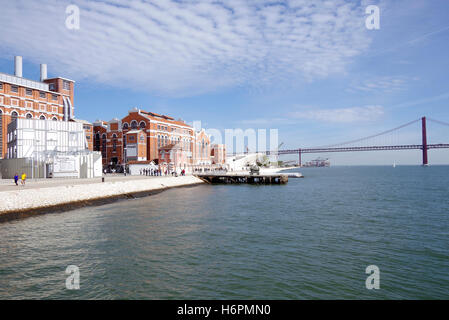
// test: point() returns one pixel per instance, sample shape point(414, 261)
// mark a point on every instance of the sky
point(311, 69)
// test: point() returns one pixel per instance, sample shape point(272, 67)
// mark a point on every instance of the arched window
point(42, 117)
point(103, 145)
point(54, 119)
point(202, 152)
point(125, 126)
point(142, 124)
point(14, 115)
point(114, 142)
point(97, 142)
point(134, 124)
point(29, 116)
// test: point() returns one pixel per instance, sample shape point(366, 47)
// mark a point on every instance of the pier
point(230, 178)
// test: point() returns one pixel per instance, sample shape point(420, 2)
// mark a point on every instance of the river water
point(310, 239)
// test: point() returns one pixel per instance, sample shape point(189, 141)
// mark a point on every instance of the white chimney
point(18, 66)
point(43, 72)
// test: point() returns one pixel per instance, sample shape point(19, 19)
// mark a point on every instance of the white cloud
point(187, 47)
point(343, 115)
point(384, 84)
point(340, 115)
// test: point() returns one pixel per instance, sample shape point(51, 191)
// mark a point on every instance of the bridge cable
point(439, 121)
point(369, 137)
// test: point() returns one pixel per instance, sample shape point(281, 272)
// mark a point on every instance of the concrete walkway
point(9, 185)
point(48, 193)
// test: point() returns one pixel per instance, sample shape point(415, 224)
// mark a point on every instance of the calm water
point(310, 239)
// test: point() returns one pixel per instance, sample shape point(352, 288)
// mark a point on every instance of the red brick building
point(166, 140)
point(218, 153)
point(47, 99)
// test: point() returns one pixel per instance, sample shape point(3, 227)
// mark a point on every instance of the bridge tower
point(299, 157)
point(424, 142)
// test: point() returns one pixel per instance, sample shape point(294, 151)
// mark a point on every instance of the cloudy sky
point(311, 69)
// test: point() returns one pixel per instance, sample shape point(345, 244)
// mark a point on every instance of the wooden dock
point(243, 178)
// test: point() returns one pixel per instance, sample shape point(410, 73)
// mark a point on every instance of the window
point(54, 96)
point(134, 124)
point(29, 116)
point(103, 145)
point(125, 126)
point(43, 95)
point(29, 92)
point(130, 138)
point(142, 124)
point(158, 127)
point(114, 143)
point(54, 119)
point(52, 87)
point(97, 142)
point(14, 89)
point(42, 117)
point(1, 86)
point(66, 85)
point(14, 115)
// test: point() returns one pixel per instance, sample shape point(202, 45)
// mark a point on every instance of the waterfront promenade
point(56, 194)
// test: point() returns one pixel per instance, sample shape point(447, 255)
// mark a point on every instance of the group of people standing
point(159, 172)
point(150, 172)
point(22, 181)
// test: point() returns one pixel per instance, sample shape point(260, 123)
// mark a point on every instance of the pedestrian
point(24, 177)
point(16, 179)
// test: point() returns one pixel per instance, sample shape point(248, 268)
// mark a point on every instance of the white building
point(28, 138)
point(46, 149)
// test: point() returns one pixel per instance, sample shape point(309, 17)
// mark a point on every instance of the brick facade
point(175, 137)
point(50, 99)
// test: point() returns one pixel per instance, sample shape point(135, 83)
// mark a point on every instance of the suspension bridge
point(343, 147)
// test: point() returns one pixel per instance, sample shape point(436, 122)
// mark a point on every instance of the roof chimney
point(18, 66)
point(43, 72)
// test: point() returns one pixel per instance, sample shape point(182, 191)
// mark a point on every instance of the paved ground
point(9, 185)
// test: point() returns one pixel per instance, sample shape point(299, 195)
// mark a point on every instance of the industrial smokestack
point(18, 66)
point(43, 72)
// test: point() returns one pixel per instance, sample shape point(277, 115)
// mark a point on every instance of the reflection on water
point(312, 238)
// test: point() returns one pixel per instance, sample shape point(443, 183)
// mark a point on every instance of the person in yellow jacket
point(24, 177)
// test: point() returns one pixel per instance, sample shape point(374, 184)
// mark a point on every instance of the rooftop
point(19, 81)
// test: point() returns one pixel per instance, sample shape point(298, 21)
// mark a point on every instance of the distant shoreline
point(22, 203)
